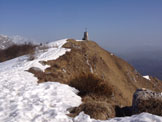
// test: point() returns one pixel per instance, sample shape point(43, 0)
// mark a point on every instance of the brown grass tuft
point(91, 84)
point(97, 110)
point(96, 96)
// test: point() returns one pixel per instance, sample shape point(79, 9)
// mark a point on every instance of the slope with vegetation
point(85, 66)
point(106, 82)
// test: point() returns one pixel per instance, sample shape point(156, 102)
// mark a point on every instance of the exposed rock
point(35, 69)
point(145, 100)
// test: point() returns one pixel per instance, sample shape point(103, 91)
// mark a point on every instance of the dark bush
point(91, 84)
point(16, 50)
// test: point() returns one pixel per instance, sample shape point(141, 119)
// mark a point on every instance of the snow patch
point(111, 54)
point(91, 69)
point(143, 117)
point(79, 40)
point(147, 77)
point(55, 51)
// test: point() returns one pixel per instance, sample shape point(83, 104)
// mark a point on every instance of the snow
point(55, 51)
point(111, 54)
point(147, 77)
point(143, 117)
point(79, 40)
point(91, 69)
point(22, 99)
point(3, 35)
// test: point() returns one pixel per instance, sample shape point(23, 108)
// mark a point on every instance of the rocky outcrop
point(145, 100)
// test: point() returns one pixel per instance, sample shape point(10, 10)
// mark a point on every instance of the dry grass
point(91, 84)
point(97, 110)
point(95, 90)
point(95, 93)
point(36, 71)
point(96, 97)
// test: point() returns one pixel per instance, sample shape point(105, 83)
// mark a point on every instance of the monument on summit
point(85, 37)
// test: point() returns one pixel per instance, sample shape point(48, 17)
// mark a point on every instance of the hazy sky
point(116, 25)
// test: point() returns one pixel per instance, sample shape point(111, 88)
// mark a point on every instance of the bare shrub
point(16, 50)
point(96, 96)
point(91, 84)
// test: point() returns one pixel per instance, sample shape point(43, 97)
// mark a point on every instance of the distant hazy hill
point(148, 66)
point(5, 41)
point(146, 62)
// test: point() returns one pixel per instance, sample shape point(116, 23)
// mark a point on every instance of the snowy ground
point(23, 100)
point(147, 77)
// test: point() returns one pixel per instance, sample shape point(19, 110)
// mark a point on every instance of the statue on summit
point(85, 37)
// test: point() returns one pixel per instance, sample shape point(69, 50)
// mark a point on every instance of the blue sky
point(118, 25)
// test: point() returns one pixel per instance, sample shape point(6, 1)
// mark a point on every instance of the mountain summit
point(100, 76)
point(86, 57)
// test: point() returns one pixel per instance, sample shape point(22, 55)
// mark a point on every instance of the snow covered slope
point(143, 117)
point(23, 100)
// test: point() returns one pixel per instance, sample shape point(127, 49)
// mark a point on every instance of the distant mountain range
point(148, 66)
point(6, 41)
point(146, 62)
